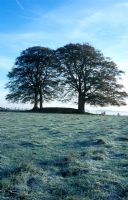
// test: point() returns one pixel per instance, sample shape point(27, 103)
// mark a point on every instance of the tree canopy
point(90, 76)
point(79, 70)
point(34, 77)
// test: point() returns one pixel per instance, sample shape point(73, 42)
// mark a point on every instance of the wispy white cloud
point(75, 22)
point(12, 44)
point(122, 4)
point(19, 4)
point(105, 28)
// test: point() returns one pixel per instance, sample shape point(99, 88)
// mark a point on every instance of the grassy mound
point(59, 110)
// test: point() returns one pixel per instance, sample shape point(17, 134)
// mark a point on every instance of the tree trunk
point(35, 102)
point(81, 104)
point(41, 99)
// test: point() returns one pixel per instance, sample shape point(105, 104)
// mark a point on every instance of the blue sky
point(54, 23)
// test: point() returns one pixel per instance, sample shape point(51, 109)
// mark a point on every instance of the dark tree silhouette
point(34, 77)
point(85, 72)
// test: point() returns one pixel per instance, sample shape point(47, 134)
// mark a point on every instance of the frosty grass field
point(56, 156)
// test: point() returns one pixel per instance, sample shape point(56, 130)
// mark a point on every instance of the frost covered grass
point(56, 156)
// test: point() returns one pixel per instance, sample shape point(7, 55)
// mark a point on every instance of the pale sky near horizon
point(54, 23)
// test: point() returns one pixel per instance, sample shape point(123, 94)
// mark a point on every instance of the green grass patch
point(63, 157)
